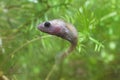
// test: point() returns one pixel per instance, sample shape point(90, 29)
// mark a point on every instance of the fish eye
point(47, 24)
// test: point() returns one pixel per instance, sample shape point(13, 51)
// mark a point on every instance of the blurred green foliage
point(28, 54)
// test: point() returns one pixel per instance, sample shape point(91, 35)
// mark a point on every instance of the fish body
point(61, 29)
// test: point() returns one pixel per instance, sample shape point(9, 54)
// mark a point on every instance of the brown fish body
point(61, 29)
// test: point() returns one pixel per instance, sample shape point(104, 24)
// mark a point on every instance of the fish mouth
point(39, 26)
